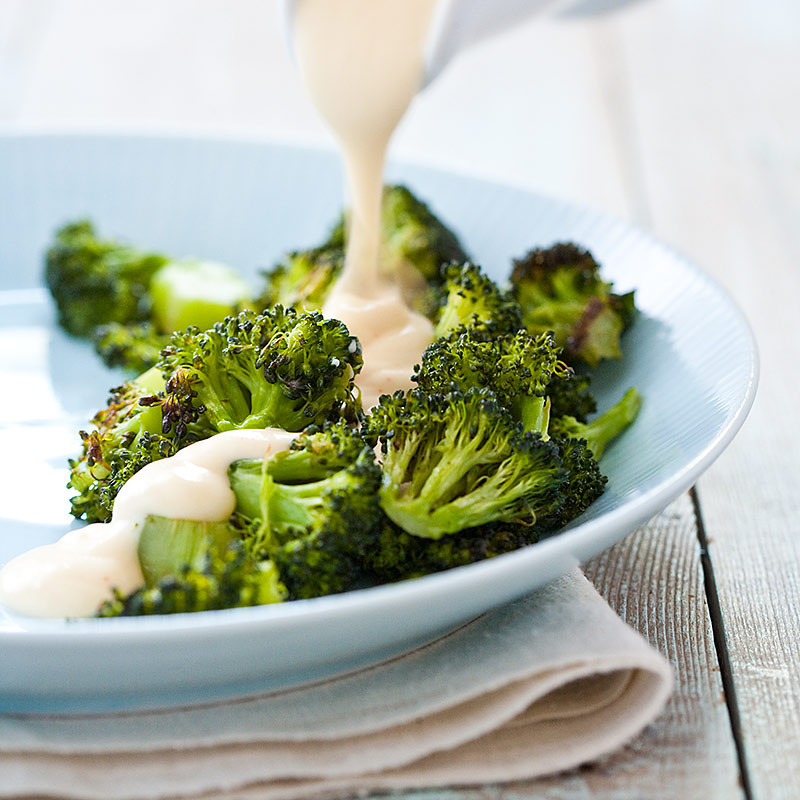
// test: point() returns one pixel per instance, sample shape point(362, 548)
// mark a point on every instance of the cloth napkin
point(542, 685)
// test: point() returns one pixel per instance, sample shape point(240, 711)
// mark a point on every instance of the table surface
point(682, 117)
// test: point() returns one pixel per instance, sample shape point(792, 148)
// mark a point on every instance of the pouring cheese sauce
point(362, 61)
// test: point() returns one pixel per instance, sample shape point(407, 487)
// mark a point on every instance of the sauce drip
point(363, 62)
point(77, 574)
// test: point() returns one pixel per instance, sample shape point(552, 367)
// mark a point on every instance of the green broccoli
point(276, 369)
point(215, 580)
point(127, 436)
point(128, 300)
point(601, 430)
point(414, 245)
point(279, 369)
point(312, 510)
point(94, 281)
point(571, 395)
point(468, 298)
point(518, 368)
point(397, 555)
point(560, 290)
point(457, 461)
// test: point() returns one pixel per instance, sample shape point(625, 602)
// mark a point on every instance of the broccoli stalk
point(601, 430)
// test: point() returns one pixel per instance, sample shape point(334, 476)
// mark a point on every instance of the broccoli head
point(278, 369)
point(135, 346)
point(518, 368)
point(227, 579)
point(460, 460)
point(468, 298)
point(560, 289)
point(312, 510)
point(571, 394)
point(95, 281)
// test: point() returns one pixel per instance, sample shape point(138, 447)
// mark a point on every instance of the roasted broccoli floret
point(468, 298)
point(601, 430)
point(518, 368)
point(127, 436)
point(135, 346)
point(414, 245)
point(571, 395)
point(560, 289)
point(397, 555)
point(227, 579)
point(279, 369)
point(95, 281)
point(128, 300)
point(460, 460)
point(312, 510)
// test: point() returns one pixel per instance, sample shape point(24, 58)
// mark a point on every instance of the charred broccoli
point(518, 368)
point(312, 510)
point(128, 300)
point(560, 290)
point(468, 298)
point(278, 368)
point(457, 461)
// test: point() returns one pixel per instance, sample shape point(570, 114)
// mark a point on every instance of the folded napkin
point(544, 684)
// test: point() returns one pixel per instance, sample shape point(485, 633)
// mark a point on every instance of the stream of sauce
point(362, 61)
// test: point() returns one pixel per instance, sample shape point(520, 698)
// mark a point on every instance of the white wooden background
point(682, 116)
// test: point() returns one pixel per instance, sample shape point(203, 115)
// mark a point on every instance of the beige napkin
point(544, 684)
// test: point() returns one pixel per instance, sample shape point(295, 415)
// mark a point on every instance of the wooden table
point(682, 117)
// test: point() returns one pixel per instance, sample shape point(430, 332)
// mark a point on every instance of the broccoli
point(279, 368)
point(127, 436)
point(468, 298)
point(560, 290)
point(397, 555)
point(94, 281)
point(571, 395)
point(227, 579)
point(135, 346)
point(414, 246)
point(312, 510)
point(128, 300)
point(459, 460)
point(600, 431)
point(518, 368)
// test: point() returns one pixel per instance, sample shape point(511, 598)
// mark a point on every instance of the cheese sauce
point(76, 575)
point(363, 62)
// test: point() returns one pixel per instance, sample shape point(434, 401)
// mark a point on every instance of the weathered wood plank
point(714, 90)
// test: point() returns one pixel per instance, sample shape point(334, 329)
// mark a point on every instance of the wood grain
point(718, 144)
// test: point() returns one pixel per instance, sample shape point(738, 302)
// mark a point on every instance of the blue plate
point(690, 353)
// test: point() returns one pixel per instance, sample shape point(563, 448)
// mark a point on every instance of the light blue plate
point(690, 353)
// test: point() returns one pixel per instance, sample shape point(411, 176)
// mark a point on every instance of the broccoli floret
point(518, 368)
point(398, 555)
point(601, 430)
point(279, 369)
point(571, 395)
point(312, 510)
point(414, 245)
point(135, 346)
point(127, 436)
point(128, 300)
point(560, 290)
point(457, 461)
point(468, 298)
point(230, 579)
point(94, 281)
